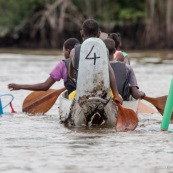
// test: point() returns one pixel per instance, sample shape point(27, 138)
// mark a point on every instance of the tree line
point(47, 23)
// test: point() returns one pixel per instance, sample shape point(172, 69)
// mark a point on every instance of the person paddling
point(60, 71)
point(126, 79)
point(117, 38)
point(90, 28)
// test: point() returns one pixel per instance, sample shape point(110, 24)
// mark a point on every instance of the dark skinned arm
point(113, 86)
point(35, 87)
point(136, 93)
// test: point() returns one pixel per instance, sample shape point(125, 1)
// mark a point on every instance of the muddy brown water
point(40, 144)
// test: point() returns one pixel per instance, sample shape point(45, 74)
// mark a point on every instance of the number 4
point(90, 58)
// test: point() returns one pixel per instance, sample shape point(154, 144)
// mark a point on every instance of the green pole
point(168, 109)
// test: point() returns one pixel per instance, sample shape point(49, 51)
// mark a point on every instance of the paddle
point(39, 102)
point(127, 119)
point(143, 108)
point(158, 102)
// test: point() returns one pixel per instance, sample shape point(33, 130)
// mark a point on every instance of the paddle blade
point(127, 119)
point(158, 102)
point(39, 102)
point(143, 108)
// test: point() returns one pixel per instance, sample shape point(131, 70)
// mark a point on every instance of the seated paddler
point(90, 29)
point(60, 71)
point(125, 76)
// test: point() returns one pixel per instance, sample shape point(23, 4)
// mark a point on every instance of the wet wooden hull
point(65, 107)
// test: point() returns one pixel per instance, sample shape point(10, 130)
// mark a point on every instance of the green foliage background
point(15, 13)
point(147, 22)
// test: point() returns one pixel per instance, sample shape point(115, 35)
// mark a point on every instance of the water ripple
point(41, 144)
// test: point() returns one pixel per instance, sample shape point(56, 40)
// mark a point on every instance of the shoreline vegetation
point(47, 24)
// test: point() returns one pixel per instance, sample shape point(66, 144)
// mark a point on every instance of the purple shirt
point(59, 72)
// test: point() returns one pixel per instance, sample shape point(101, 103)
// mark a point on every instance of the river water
point(40, 144)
